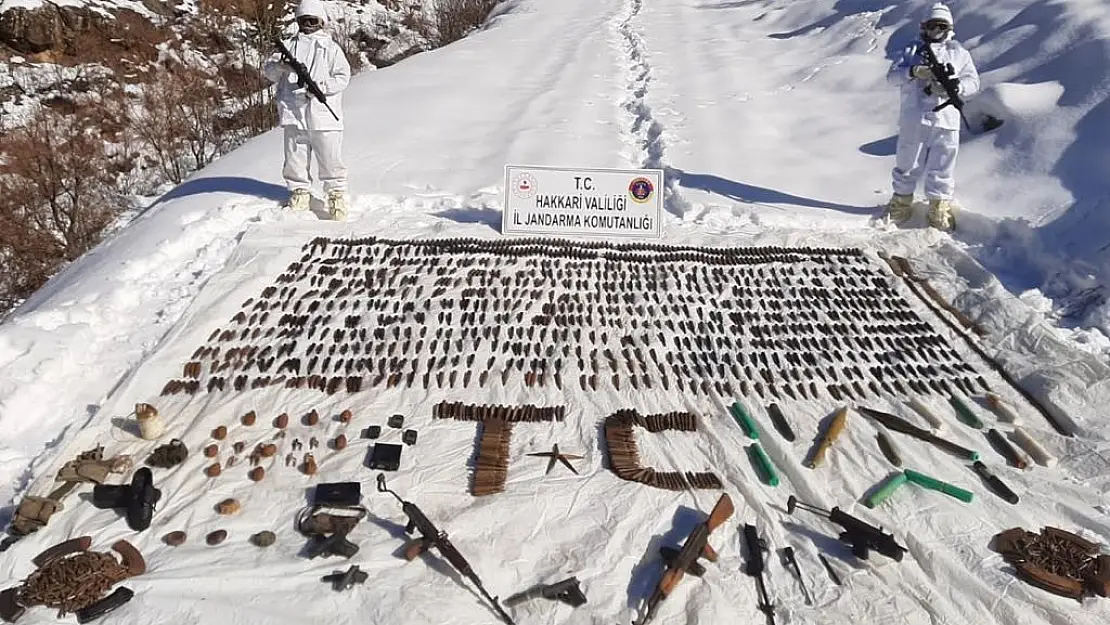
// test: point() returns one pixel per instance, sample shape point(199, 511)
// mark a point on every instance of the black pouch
point(385, 457)
point(338, 494)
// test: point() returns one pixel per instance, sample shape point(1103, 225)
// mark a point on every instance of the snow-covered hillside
point(774, 126)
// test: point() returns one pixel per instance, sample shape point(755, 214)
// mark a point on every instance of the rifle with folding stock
point(432, 537)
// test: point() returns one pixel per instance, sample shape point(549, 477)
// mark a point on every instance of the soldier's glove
point(921, 72)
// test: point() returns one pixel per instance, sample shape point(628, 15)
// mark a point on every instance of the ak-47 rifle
point(861, 536)
point(304, 79)
point(945, 76)
point(432, 537)
point(680, 562)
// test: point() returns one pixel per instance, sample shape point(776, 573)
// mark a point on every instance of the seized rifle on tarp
point(566, 591)
point(680, 562)
point(862, 537)
point(755, 568)
point(304, 79)
point(945, 76)
point(432, 537)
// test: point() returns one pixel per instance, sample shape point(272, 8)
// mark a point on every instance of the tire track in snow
point(646, 132)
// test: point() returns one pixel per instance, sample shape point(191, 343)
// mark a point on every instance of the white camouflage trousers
point(326, 146)
point(930, 152)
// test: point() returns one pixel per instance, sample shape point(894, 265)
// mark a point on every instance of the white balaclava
point(314, 8)
point(939, 12)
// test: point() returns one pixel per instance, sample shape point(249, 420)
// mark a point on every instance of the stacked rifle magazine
point(723, 383)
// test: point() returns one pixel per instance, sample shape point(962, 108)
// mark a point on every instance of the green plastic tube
point(763, 462)
point(886, 490)
point(937, 485)
point(964, 412)
point(745, 420)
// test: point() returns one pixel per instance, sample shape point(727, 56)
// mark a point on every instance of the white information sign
point(599, 202)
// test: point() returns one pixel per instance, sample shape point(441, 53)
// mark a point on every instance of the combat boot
point(940, 215)
point(337, 205)
point(900, 208)
point(299, 200)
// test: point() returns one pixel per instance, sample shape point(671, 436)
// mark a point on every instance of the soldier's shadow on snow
point(237, 185)
point(649, 570)
point(882, 147)
point(750, 193)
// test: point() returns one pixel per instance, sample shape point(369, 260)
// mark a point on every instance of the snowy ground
point(774, 126)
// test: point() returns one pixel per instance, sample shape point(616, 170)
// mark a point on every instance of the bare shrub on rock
point(456, 19)
point(177, 120)
point(56, 198)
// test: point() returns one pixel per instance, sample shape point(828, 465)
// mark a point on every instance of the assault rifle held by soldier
point(861, 536)
point(680, 562)
point(945, 76)
point(304, 79)
point(432, 537)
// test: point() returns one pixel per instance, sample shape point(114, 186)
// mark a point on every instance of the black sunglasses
point(937, 25)
point(308, 20)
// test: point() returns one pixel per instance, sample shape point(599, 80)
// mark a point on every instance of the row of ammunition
point(624, 456)
point(491, 468)
point(682, 421)
point(537, 376)
point(716, 349)
point(460, 411)
point(341, 247)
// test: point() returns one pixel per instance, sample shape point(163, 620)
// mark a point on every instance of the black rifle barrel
point(944, 77)
point(303, 77)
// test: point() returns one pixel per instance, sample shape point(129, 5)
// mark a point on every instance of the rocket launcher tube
point(963, 411)
point(891, 485)
point(745, 420)
point(898, 424)
point(934, 484)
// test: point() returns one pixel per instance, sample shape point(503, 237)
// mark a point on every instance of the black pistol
point(344, 580)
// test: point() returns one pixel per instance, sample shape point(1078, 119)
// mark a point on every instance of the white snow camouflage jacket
point(327, 65)
point(917, 106)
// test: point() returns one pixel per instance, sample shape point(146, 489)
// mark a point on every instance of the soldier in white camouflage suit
point(928, 140)
point(310, 128)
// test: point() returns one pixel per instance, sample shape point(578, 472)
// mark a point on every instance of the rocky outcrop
point(46, 28)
